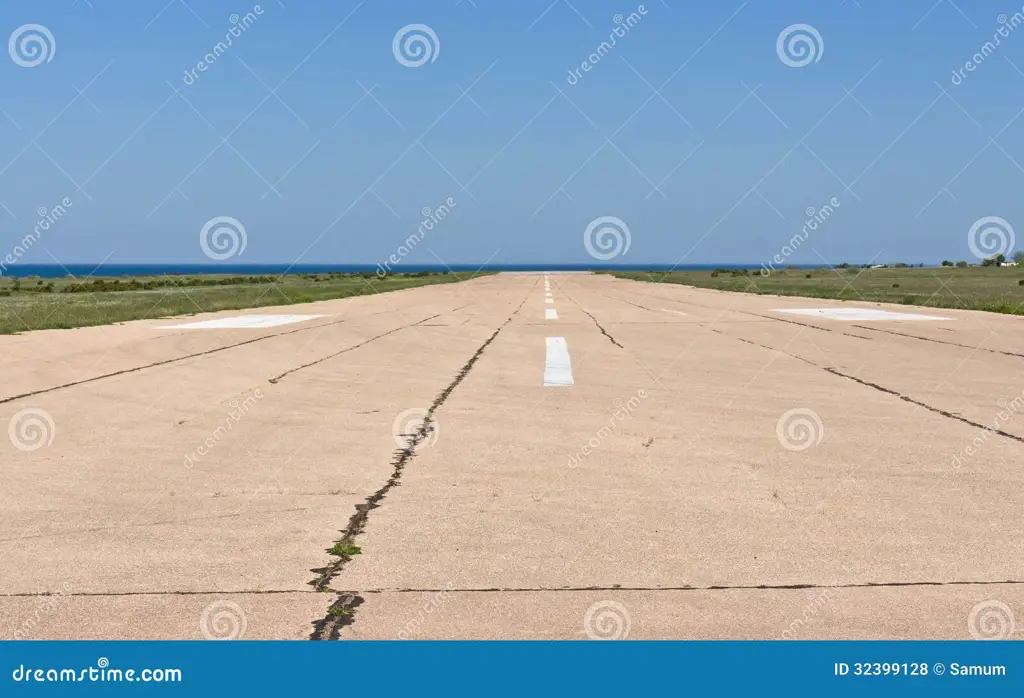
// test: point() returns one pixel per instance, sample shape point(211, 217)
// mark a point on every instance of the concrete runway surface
point(647, 461)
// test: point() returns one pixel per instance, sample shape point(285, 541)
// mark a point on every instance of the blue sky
point(700, 171)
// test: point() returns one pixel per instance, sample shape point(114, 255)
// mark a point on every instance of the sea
point(56, 271)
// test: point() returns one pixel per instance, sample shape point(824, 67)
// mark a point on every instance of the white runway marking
point(549, 300)
point(666, 310)
point(853, 314)
point(241, 322)
point(557, 366)
point(550, 314)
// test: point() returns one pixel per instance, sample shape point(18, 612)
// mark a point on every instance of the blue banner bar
point(512, 668)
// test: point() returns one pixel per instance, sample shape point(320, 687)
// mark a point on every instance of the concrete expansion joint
point(939, 341)
point(342, 610)
point(688, 587)
point(936, 410)
point(277, 378)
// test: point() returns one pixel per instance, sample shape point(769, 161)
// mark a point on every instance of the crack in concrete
point(940, 341)
point(342, 612)
point(603, 330)
point(290, 371)
point(168, 361)
point(911, 400)
point(880, 388)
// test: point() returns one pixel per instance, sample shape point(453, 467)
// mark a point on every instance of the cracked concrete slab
point(713, 448)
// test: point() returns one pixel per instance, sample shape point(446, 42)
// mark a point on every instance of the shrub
point(961, 264)
point(895, 285)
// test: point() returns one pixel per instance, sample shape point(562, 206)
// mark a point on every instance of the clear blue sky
point(151, 172)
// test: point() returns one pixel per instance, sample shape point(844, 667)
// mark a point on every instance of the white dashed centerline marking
point(677, 312)
point(557, 366)
point(549, 300)
point(550, 314)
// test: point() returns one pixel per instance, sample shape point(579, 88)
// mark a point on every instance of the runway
point(520, 456)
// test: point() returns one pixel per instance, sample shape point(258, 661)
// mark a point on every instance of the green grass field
point(995, 289)
point(38, 304)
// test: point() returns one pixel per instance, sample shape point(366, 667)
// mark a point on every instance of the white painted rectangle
point(549, 300)
point(557, 366)
point(550, 314)
point(857, 314)
point(242, 322)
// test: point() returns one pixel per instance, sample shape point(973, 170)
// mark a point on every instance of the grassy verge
point(995, 289)
point(38, 304)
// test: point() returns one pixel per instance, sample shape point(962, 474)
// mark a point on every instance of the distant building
point(1008, 264)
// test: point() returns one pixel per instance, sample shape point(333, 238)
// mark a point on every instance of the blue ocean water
point(54, 271)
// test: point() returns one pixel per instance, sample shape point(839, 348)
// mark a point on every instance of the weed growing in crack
point(345, 549)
